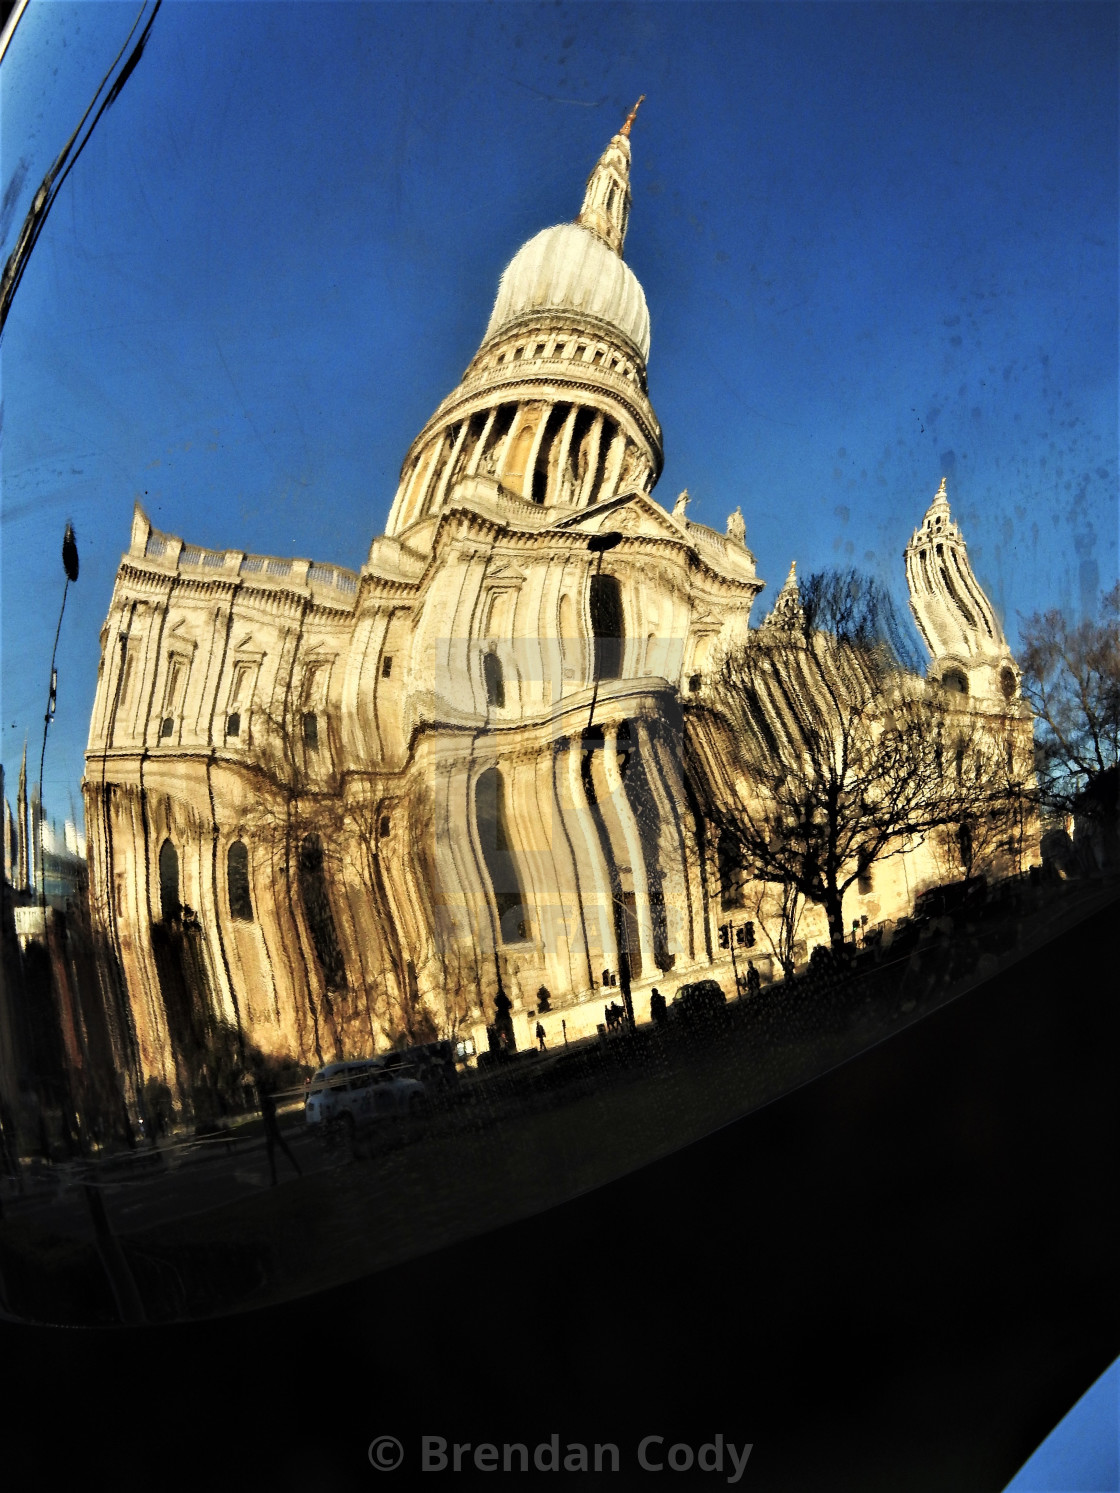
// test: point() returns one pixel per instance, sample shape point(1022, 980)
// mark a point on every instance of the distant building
point(354, 806)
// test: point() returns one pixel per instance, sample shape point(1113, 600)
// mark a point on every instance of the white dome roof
point(568, 268)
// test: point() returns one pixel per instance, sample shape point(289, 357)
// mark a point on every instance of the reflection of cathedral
point(363, 804)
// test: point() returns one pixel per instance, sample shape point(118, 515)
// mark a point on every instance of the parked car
point(349, 1095)
point(698, 1001)
point(952, 897)
point(432, 1063)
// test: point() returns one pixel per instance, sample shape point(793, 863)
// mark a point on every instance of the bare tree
point(822, 749)
point(1071, 677)
point(777, 910)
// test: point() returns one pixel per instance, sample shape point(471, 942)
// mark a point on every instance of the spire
point(625, 130)
point(954, 616)
point(940, 505)
point(788, 613)
point(606, 202)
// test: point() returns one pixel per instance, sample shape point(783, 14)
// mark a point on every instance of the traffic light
point(724, 936)
point(741, 933)
point(748, 929)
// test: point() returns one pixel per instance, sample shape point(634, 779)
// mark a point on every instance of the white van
point(349, 1095)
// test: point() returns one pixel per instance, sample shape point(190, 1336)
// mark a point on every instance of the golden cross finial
point(625, 130)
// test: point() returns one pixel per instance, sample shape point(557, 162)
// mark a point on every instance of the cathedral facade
point(350, 807)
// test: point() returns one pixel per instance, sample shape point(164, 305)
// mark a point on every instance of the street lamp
point(70, 565)
point(599, 544)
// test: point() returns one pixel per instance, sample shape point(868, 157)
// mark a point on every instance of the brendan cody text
point(652, 1454)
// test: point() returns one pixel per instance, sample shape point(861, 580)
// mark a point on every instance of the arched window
point(237, 875)
point(320, 919)
point(1007, 682)
point(955, 680)
point(607, 625)
point(169, 905)
point(495, 680)
point(501, 864)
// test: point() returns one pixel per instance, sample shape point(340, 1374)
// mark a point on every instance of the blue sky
point(879, 245)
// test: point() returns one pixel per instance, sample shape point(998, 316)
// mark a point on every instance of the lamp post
point(599, 544)
point(70, 565)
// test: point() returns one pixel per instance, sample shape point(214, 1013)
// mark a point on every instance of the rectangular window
point(310, 730)
point(175, 675)
point(560, 346)
point(240, 682)
point(386, 666)
point(540, 349)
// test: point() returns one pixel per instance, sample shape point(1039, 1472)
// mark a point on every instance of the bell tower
point(954, 616)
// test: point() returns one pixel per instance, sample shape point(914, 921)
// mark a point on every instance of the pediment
point(505, 573)
point(634, 514)
point(179, 636)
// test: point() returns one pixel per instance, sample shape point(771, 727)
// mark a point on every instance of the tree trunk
point(834, 910)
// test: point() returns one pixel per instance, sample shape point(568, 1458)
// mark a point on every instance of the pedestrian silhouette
point(272, 1136)
point(656, 1005)
point(754, 980)
point(540, 1034)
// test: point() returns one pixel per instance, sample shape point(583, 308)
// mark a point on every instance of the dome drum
point(547, 447)
point(556, 338)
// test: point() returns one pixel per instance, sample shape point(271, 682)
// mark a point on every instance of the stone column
point(592, 858)
point(445, 478)
point(510, 437)
point(476, 455)
point(633, 846)
point(594, 439)
point(613, 469)
point(534, 453)
point(562, 458)
point(678, 897)
point(421, 484)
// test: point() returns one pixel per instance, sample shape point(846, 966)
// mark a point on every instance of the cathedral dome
point(571, 269)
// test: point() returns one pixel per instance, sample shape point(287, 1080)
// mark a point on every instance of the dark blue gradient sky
point(879, 244)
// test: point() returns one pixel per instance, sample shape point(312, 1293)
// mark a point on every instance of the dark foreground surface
point(197, 1232)
point(897, 1278)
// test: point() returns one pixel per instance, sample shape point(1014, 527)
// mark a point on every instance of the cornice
point(469, 522)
